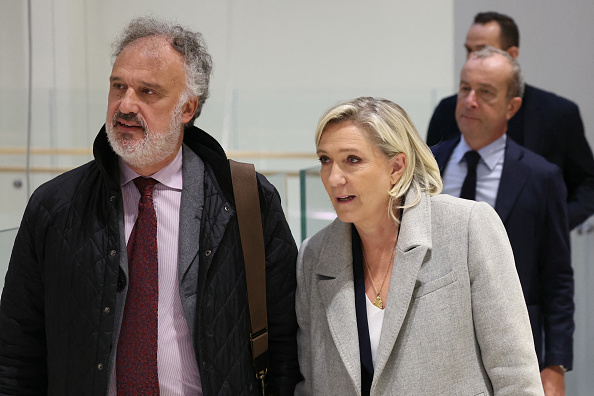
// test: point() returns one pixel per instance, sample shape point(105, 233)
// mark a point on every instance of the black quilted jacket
point(56, 312)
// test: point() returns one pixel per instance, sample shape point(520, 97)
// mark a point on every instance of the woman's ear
point(398, 166)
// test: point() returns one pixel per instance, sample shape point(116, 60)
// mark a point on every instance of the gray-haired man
point(127, 274)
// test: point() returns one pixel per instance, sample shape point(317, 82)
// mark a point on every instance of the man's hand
point(553, 381)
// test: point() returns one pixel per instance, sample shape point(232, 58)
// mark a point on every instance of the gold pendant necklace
point(378, 299)
point(378, 302)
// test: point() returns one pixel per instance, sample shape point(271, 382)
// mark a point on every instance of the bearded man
point(127, 273)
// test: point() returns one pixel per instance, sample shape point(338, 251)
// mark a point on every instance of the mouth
point(128, 122)
point(467, 117)
point(345, 198)
point(127, 126)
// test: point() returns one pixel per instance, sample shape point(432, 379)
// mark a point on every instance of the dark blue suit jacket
point(550, 126)
point(531, 204)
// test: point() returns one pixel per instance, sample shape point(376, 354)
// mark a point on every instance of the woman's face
point(356, 174)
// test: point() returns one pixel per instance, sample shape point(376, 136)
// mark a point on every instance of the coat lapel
point(413, 244)
point(335, 282)
point(192, 204)
point(337, 293)
point(514, 176)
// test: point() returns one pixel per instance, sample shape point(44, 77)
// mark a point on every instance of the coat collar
point(335, 283)
point(338, 235)
point(200, 142)
point(191, 207)
point(414, 242)
point(514, 175)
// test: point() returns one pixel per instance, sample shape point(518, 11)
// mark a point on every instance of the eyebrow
point(344, 150)
point(147, 84)
point(478, 47)
point(481, 85)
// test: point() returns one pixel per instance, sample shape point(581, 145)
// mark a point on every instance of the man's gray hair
point(191, 45)
point(515, 87)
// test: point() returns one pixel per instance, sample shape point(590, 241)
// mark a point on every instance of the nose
point(129, 102)
point(336, 177)
point(470, 99)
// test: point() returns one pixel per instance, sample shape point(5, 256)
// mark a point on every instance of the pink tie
point(136, 360)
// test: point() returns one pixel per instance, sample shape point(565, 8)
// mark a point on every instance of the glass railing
point(316, 208)
point(6, 242)
point(580, 381)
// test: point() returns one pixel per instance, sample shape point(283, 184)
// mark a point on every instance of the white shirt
point(488, 170)
point(375, 320)
point(176, 360)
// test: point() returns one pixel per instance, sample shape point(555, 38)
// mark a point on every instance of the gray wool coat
point(455, 320)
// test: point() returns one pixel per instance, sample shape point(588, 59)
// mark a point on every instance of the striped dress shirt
point(177, 367)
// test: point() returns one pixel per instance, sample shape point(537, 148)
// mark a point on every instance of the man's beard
point(154, 148)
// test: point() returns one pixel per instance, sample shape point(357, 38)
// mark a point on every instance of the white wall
point(278, 66)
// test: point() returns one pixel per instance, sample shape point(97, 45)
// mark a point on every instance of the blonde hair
point(389, 128)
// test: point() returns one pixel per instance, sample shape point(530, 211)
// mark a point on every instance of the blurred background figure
point(546, 123)
point(527, 192)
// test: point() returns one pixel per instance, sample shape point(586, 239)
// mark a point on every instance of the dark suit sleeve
point(281, 258)
point(443, 124)
point(578, 168)
point(556, 278)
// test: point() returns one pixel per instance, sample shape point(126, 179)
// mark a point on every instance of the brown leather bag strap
point(247, 204)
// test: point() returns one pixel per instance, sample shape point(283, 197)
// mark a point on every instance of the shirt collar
point(170, 176)
point(491, 154)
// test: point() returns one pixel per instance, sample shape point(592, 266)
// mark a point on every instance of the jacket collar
point(415, 232)
point(335, 283)
point(200, 142)
point(514, 176)
point(414, 243)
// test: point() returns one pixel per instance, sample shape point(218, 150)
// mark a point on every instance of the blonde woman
point(408, 292)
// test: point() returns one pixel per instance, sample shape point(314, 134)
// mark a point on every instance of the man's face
point(482, 110)
point(145, 111)
point(479, 36)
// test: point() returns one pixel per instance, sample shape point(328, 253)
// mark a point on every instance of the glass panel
point(6, 242)
point(13, 196)
point(14, 103)
point(580, 381)
point(316, 208)
point(279, 181)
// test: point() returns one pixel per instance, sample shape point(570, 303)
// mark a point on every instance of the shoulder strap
point(247, 203)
